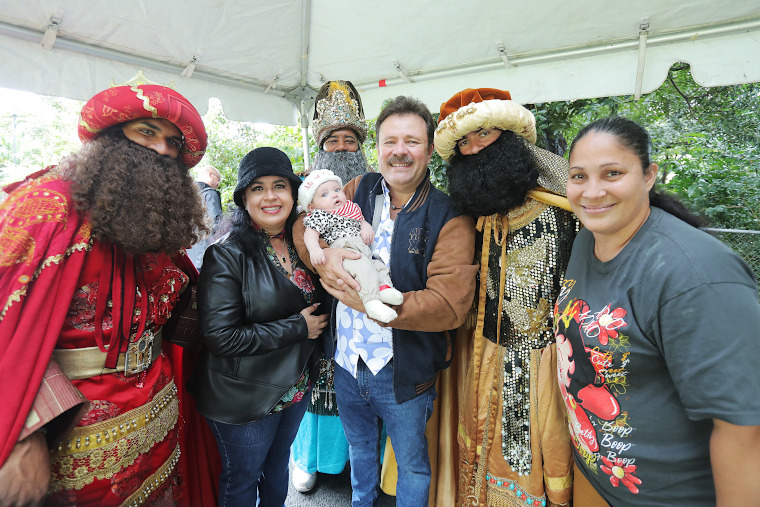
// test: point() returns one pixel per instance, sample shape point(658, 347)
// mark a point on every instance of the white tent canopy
point(265, 59)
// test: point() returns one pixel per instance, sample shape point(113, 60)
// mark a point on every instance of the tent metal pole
point(304, 122)
point(305, 147)
point(303, 118)
point(687, 35)
point(643, 32)
point(62, 43)
point(305, 37)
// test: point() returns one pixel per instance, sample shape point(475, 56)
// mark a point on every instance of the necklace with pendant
point(279, 235)
point(280, 255)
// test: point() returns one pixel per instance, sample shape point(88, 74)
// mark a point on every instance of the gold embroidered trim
point(558, 483)
point(497, 496)
point(140, 79)
point(58, 258)
point(466, 438)
point(550, 198)
point(145, 100)
point(100, 450)
point(525, 214)
point(16, 296)
point(155, 481)
point(91, 130)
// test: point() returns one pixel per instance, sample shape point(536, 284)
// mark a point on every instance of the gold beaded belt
point(99, 450)
point(90, 361)
point(154, 482)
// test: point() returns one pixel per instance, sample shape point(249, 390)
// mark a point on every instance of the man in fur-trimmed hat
point(91, 267)
point(514, 444)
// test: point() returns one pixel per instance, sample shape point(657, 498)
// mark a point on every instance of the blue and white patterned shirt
point(358, 335)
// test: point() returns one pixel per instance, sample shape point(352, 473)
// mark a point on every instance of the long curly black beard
point(345, 164)
point(134, 197)
point(494, 180)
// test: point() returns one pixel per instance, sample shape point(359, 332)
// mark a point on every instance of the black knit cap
point(260, 162)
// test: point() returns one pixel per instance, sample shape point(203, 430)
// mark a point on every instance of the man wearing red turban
point(91, 267)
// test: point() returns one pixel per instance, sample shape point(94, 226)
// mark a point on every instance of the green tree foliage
point(705, 140)
point(229, 141)
point(35, 138)
point(707, 143)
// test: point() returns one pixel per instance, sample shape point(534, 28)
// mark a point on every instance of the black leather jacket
point(255, 338)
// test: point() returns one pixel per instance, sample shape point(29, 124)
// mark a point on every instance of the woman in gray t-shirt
point(657, 339)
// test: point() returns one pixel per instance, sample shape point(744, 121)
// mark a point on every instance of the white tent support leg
point(643, 33)
point(305, 104)
point(305, 138)
point(304, 122)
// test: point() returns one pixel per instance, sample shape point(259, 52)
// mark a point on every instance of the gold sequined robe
point(508, 380)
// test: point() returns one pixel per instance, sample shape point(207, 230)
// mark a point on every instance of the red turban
point(469, 96)
point(121, 104)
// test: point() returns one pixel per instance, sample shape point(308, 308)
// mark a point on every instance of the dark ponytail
point(672, 205)
point(635, 138)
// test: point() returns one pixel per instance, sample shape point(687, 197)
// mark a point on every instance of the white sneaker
point(378, 311)
point(391, 296)
point(303, 481)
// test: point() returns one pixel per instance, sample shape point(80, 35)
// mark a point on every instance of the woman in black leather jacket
point(256, 306)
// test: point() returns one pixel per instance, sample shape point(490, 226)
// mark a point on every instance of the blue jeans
point(363, 404)
point(255, 457)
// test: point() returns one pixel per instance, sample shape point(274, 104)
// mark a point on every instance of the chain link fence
point(744, 243)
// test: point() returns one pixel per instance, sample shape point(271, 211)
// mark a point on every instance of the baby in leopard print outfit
point(341, 224)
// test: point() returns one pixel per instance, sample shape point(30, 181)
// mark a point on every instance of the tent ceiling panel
point(262, 58)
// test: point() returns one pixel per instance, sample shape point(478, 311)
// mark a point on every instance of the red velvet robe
point(50, 269)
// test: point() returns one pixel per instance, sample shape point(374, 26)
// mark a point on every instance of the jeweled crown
point(338, 106)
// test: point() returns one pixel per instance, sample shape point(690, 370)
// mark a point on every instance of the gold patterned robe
point(514, 446)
